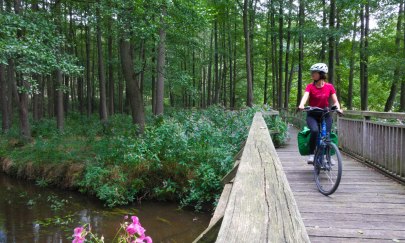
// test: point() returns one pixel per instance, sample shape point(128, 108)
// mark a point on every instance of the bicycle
point(327, 158)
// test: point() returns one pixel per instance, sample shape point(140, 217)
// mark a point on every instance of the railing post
point(364, 141)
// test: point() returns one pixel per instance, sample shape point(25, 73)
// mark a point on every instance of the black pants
point(313, 119)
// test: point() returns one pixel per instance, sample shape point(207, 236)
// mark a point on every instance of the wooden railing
point(377, 138)
point(257, 204)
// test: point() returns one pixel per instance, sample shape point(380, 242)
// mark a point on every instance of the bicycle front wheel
point(328, 169)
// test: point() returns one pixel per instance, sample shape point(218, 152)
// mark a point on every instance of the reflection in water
point(32, 214)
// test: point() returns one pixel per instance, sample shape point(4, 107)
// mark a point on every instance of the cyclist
point(319, 92)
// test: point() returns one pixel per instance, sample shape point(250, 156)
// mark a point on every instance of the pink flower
point(144, 239)
point(135, 229)
point(79, 238)
point(78, 231)
point(135, 220)
point(131, 229)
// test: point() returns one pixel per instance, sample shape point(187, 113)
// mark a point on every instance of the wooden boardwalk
point(367, 207)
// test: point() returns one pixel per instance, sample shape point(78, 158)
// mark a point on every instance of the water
point(29, 213)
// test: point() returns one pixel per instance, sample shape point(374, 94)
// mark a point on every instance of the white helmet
point(319, 67)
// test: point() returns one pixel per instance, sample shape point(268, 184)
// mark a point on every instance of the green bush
point(181, 156)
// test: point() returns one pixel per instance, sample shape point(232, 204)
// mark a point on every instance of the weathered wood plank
point(239, 154)
point(383, 115)
point(210, 234)
point(261, 206)
point(318, 239)
point(357, 233)
point(231, 174)
point(222, 203)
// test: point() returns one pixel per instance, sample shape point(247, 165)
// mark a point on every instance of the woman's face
point(315, 76)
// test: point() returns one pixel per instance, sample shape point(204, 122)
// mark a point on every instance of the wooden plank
point(222, 203)
point(231, 174)
point(261, 206)
point(270, 113)
point(356, 224)
point(210, 234)
point(321, 239)
point(385, 115)
point(239, 154)
point(357, 233)
point(314, 218)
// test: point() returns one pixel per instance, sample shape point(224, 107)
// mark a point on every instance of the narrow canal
point(29, 213)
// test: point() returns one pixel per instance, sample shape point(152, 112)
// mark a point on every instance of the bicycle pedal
point(310, 162)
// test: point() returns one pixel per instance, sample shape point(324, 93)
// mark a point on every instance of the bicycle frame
point(323, 137)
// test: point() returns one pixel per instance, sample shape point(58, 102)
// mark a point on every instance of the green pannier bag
point(303, 140)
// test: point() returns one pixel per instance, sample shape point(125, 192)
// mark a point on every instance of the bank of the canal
point(29, 213)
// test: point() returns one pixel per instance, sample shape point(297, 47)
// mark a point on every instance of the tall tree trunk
point(218, 85)
point(266, 59)
point(402, 99)
point(121, 92)
point(301, 49)
point(59, 102)
point(396, 81)
point(351, 74)
point(161, 59)
point(51, 96)
point(216, 64)
point(88, 76)
point(225, 67)
point(209, 78)
point(280, 56)
point(133, 91)
point(65, 94)
point(252, 24)
point(80, 80)
point(274, 70)
point(362, 56)
point(153, 81)
point(110, 72)
point(290, 77)
point(287, 54)
point(337, 72)
point(59, 81)
point(35, 101)
point(332, 41)
point(234, 62)
point(101, 72)
point(203, 83)
point(323, 50)
point(23, 95)
point(4, 96)
point(41, 98)
point(230, 64)
point(194, 77)
point(366, 54)
point(249, 98)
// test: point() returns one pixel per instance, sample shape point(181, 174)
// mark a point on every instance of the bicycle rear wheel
point(328, 169)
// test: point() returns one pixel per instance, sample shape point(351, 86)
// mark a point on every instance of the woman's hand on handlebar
point(299, 108)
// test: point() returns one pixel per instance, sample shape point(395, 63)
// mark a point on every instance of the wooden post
point(365, 132)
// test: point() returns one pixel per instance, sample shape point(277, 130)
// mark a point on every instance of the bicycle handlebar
point(326, 110)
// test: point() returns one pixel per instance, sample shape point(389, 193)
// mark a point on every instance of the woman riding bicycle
point(319, 92)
